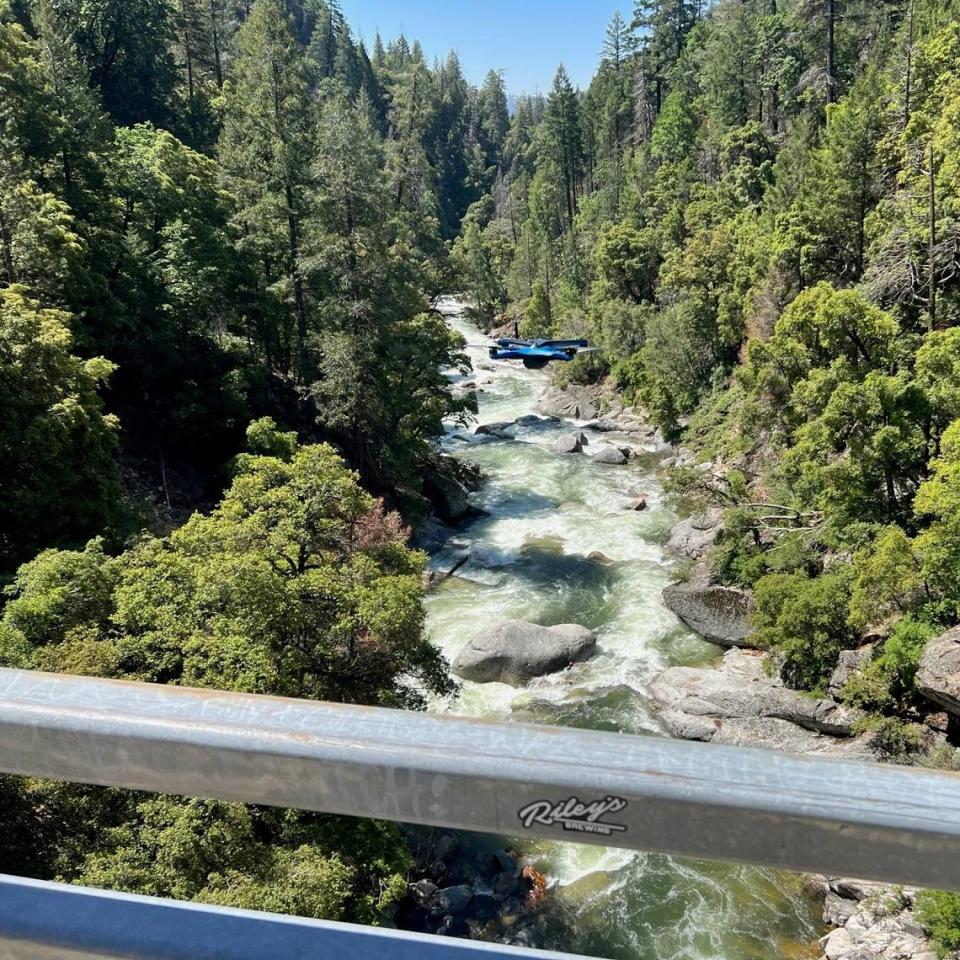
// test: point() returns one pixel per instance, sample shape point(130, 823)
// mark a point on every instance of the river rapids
point(544, 514)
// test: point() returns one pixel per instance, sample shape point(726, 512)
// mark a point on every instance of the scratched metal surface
point(47, 921)
point(713, 802)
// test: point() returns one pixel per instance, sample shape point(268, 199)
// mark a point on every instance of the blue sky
point(527, 39)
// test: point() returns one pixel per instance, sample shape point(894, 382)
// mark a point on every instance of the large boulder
point(531, 420)
point(610, 456)
point(498, 429)
point(515, 652)
point(938, 678)
point(874, 921)
point(849, 664)
point(692, 537)
point(741, 704)
point(604, 426)
point(447, 494)
point(716, 612)
point(573, 402)
point(567, 443)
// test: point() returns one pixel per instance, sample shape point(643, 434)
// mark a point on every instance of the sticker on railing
point(574, 815)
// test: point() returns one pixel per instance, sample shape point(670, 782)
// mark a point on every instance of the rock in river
point(447, 494)
point(498, 429)
point(577, 402)
point(568, 443)
point(515, 652)
point(718, 613)
point(611, 456)
point(694, 536)
point(603, 426)
point(741, 704)
point(938, 678)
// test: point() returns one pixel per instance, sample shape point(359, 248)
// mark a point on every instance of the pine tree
point(662, 27)
point(126, 45)
point(612, 89)
point(266, 151)
point(493, 117)
point(564, 139)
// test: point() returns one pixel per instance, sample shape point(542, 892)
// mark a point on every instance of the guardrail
point(48, 921)
point(871, 821)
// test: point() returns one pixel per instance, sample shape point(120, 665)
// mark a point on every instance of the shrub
point(804, 621)
point(887, 681)
point(939, 912)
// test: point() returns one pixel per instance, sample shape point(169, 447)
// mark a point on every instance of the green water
point(530, 560)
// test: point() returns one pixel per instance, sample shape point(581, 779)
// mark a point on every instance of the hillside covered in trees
point(221, 225)
point(215, 218)
point(754, 210)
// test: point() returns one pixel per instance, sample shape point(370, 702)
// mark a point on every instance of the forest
point(222, 223)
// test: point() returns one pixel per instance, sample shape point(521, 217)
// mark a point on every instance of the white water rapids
point(545, 514)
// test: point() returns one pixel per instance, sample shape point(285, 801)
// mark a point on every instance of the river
point(544, 515)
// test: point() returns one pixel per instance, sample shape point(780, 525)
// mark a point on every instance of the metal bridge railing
point(871, 821)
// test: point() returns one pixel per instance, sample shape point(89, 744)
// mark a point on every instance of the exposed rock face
point(610, 456)
point(719, 613)
point(431, 535)
point(694, 536)
point(740, 704)
point(873, 921)
point(637, 504)
point(575, 402)
point(447, 494)
point(567, 443)
point(849, 663)
point(938, 678)
point(456, 895)
point(515, 652)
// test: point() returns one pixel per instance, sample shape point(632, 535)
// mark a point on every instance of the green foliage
point(537, 318)
point(889, 579)
point(298, 583)
point(679, 361)
point(237, 856)
point(892, 739)
point(939, 912)
point(57, 446)
point(803, 621)
point(938, 502)
point(886, 683)
point(265, 440)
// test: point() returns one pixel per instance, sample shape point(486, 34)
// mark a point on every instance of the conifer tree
point(266, 152)
point(564, 139)
point(494, 117)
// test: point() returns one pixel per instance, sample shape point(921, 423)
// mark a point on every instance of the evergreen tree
point(493, 117)
point(126, 45)
point(662, 27)
point(564, 143)
point(266, 152)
